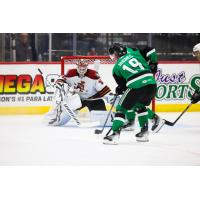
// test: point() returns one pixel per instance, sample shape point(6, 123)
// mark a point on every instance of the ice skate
point(157, 123)
point(143, 135)
point(129, 126)
point(112, 139)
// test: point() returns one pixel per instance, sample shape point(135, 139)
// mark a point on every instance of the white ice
point(25, 140)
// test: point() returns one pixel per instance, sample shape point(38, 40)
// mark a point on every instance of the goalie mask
point(82, 67)
point(117, 50)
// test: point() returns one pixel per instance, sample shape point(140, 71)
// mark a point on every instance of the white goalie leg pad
point(101, 116)
point(73, 101)
point(59, 95)
point(57, 116)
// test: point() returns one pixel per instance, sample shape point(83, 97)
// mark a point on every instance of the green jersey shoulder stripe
point(138, 78)
point(142, 114)
point(119, 119)
point(150, 52)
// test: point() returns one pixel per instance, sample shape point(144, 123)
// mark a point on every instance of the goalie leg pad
point(101, 117)
point(57, 116)
point(73, 101)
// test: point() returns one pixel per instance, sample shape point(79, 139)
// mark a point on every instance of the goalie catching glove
point(196, 96)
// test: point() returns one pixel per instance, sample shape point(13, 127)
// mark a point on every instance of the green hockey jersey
point(132, 70)
point(149, 53)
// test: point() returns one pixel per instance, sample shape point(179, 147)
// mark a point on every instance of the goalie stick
point(72, 114)
point(173, 123)
point(97, 131)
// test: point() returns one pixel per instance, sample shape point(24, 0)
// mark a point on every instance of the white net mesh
point(94, 62)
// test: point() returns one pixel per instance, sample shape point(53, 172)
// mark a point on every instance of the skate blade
point(128, 129)
point(142, 139)
point(110, 142)
point(161, 124)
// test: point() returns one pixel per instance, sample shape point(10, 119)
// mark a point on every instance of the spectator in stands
point(92, 52)
point(24, 51)
point(196, 51)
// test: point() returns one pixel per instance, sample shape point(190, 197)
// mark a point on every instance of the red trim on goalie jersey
point(92, 74)
point(104, 91)
point(71, 73)
point(101, 93)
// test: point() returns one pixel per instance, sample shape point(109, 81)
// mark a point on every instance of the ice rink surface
point(25, 140)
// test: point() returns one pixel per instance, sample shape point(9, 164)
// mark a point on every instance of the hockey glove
point(153, 67)
point(110, 98)
point(119, 90)
point(59, 84)
point(196, 96)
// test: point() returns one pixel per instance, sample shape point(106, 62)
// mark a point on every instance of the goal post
point(104, 70)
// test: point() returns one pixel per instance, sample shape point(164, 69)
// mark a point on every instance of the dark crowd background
point(51, 46)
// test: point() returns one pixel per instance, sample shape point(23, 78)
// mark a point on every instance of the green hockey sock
point(130, 114)
point(118, 122)
point(150, 113)
point(142, 118)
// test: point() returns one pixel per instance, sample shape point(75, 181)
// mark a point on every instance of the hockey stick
point(97, 131)
point(108, 132)
point(71, 112)
point(173, 123)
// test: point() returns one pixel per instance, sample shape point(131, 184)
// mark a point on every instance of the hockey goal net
point(68, 62)
point(103, 64)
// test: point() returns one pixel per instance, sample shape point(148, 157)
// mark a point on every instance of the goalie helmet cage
point(104, 60)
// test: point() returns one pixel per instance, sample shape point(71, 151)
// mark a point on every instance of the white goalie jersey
point(89, 86)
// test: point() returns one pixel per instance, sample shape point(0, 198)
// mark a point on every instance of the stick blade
point(98, 131)
point(169, 123)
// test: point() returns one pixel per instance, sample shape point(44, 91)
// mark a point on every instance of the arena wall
point(23, 90)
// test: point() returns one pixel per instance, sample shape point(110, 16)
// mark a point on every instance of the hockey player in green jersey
point(133, 75)
point(150, 55)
